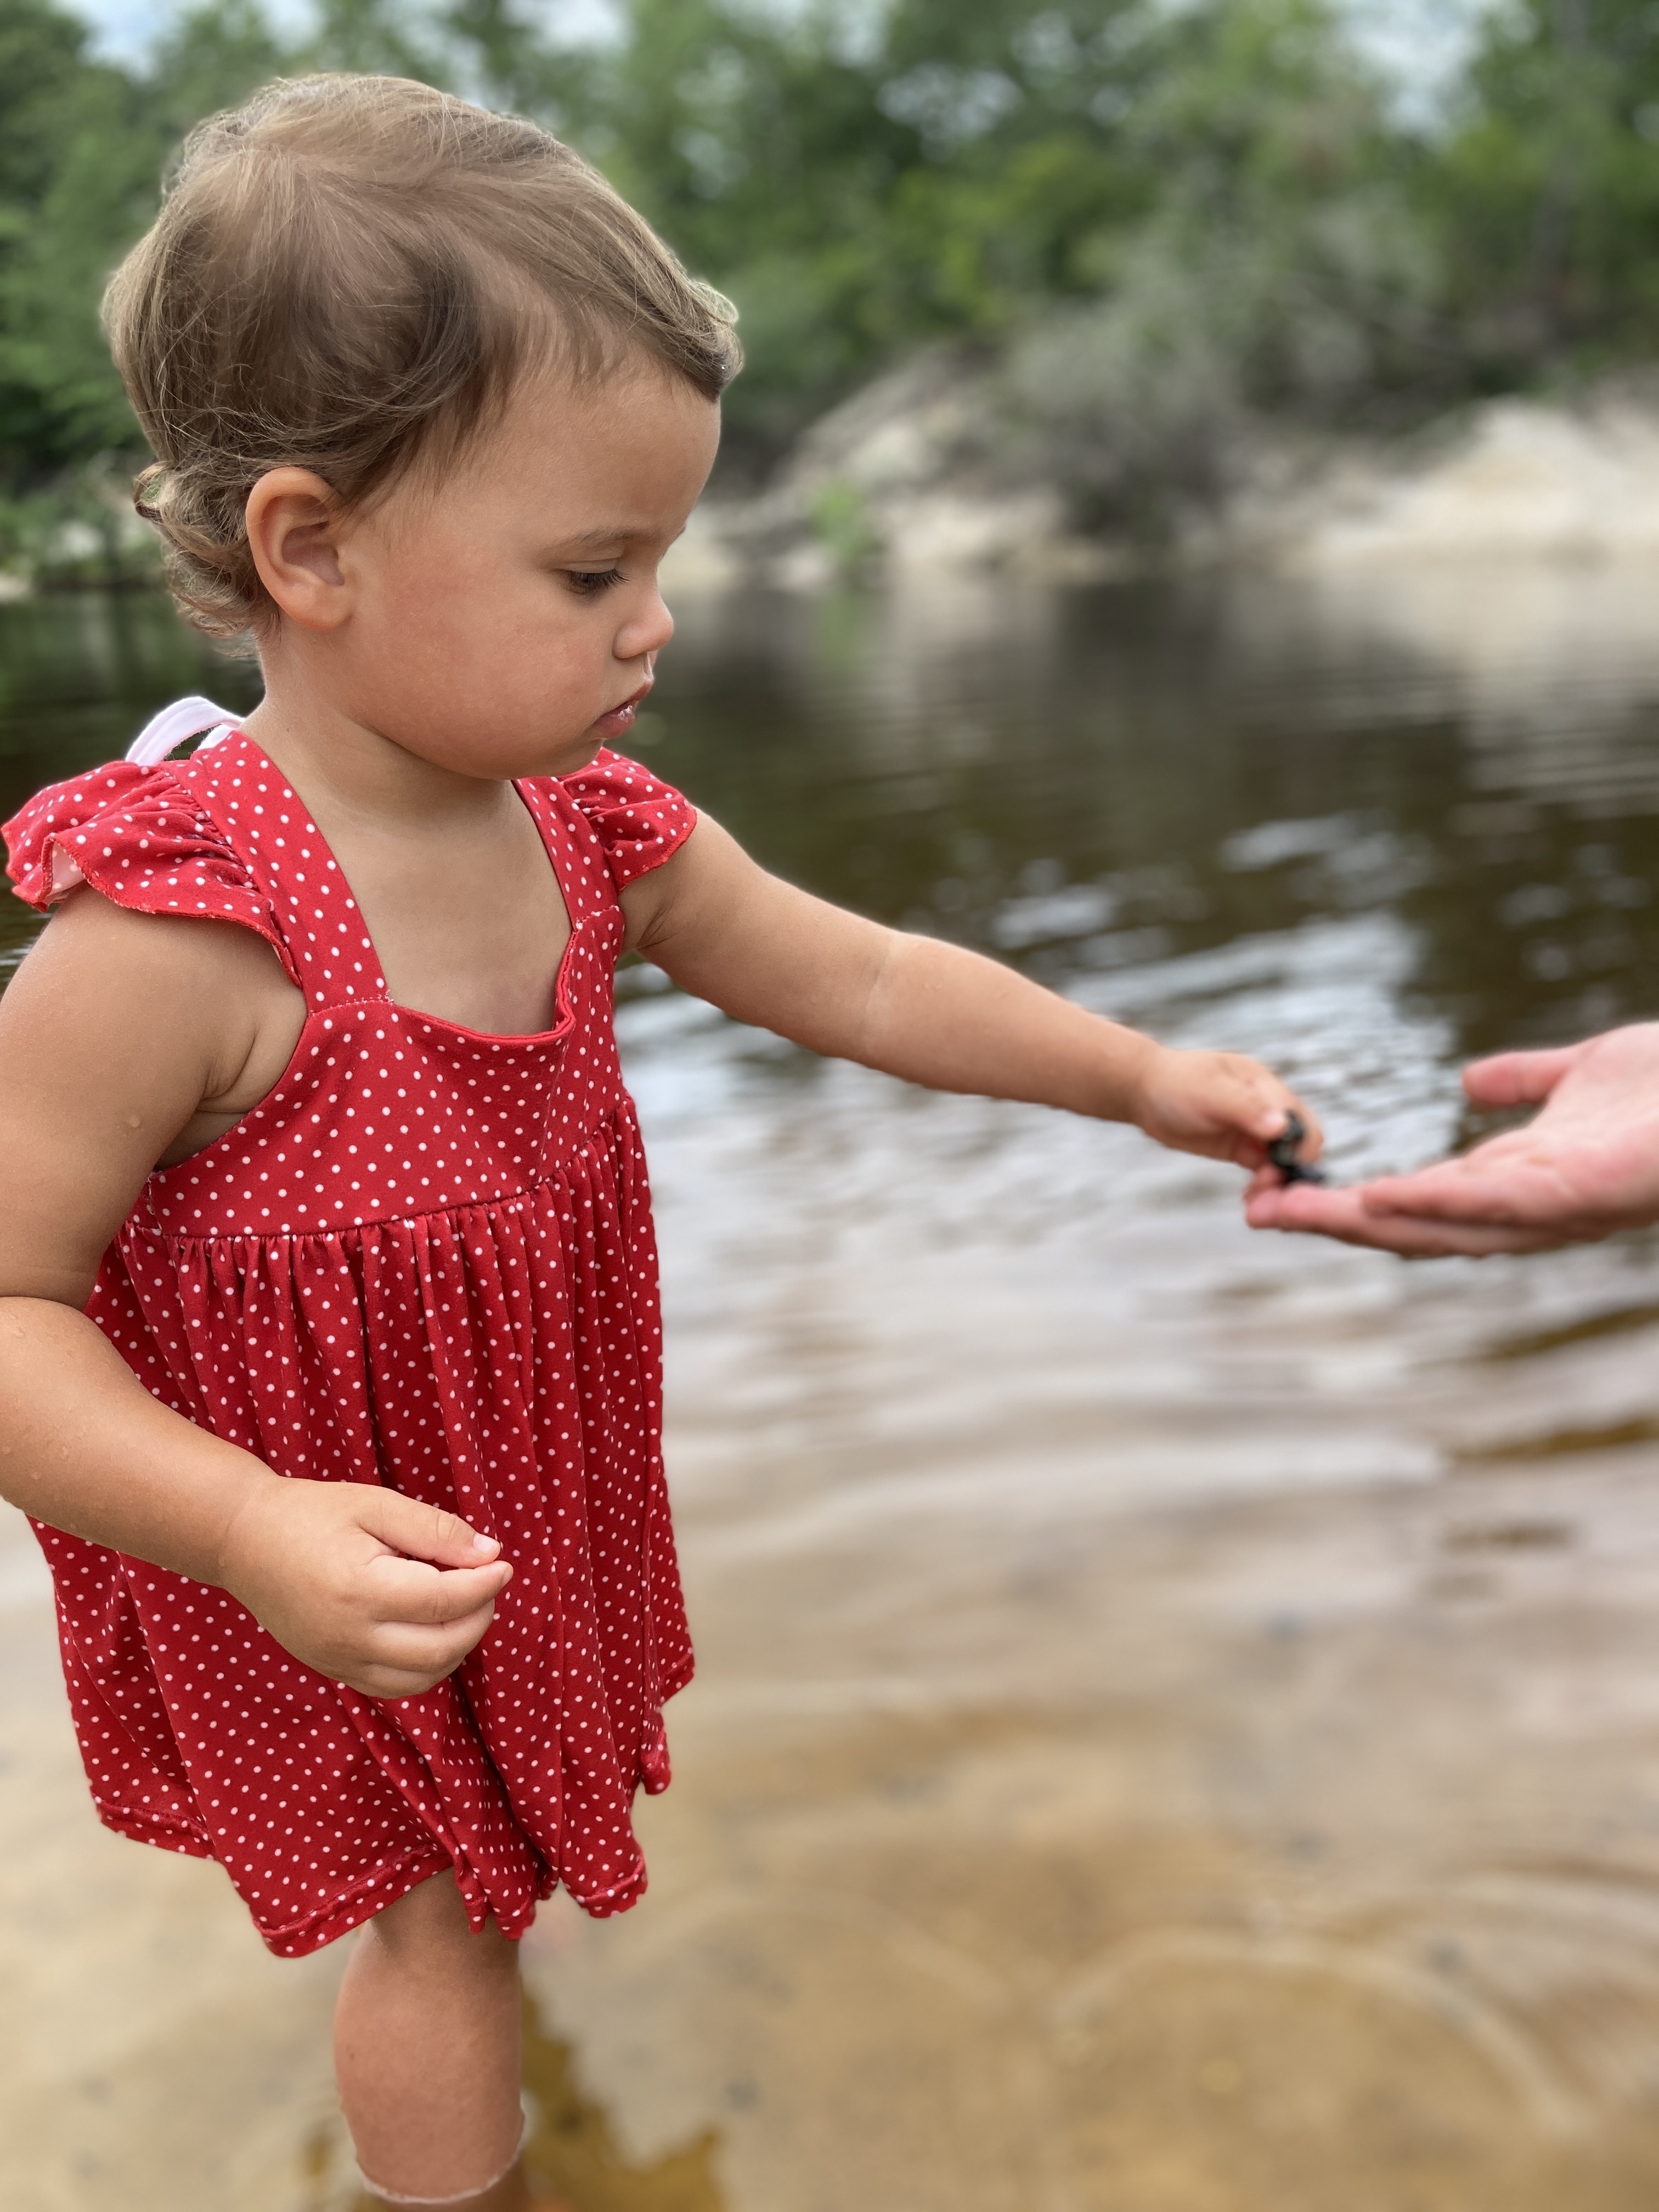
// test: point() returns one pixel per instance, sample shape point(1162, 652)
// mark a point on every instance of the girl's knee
point(429, 1929)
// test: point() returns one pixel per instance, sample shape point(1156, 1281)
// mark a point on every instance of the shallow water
point(1178, 1724)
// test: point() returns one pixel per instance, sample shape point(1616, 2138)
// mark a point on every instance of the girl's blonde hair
point(350, 274)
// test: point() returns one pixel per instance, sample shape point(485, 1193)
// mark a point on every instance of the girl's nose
point(646, 631)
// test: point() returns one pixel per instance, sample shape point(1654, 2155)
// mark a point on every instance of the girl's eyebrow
point(593, 541)
point(603, 541)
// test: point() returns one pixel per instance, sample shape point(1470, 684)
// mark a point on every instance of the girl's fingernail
point(485, 1544)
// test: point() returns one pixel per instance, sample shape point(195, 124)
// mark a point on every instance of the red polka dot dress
point(425, 1259)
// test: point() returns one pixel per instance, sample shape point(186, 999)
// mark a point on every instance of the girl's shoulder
point(639, 820)
point(140, 834)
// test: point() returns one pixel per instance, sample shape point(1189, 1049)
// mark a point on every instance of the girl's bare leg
point(427, 2053)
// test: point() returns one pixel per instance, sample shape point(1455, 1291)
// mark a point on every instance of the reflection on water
point(1176, 1724)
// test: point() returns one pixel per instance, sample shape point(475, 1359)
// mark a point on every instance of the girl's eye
point(589, 582)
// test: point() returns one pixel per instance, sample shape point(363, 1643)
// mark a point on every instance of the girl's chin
point(578, 754)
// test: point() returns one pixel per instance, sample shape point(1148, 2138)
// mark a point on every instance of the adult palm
point(1585, 1167)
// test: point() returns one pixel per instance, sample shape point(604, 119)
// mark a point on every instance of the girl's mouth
point(619, 719)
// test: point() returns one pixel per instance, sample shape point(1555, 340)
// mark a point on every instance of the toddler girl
point(329, 1361)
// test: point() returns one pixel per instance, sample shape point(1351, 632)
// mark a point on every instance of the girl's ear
point(293, 528)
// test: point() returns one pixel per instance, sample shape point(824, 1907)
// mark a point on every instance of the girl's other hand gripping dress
point(425, 1259)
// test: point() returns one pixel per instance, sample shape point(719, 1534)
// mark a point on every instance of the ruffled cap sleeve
point(136, 834)
point(639, 820)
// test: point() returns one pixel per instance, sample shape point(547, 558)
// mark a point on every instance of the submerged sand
point(1037, 1842)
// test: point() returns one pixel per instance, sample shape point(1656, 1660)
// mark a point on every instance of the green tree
point(503, 57)
point(1278, 267)
point(1162, 219)
point(211, 55)
point(83, 148)
point(859, 184)
point(1546, 193)
point(78, 159)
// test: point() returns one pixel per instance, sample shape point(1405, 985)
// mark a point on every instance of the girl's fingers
point(1250, 1099)
point(421, 1532)
point(1221, 1105)
point(433, 1652)
point(386, 1682)
point(405, 1590)
point(1274, 1120)
point(404, 1661)
point(381, 1681)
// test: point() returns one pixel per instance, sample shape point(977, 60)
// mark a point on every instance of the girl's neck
point(454, 885)
point(345, 769)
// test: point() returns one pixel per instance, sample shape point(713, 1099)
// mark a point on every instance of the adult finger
point(1413, 1236)
point(1513, 1206)
point(1518, 1193)
point(421, 1531)
point(1517, 1079)
point(1319, 1209)
point(1344, 1216)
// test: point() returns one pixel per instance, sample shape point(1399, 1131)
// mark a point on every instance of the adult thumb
point(1517, 1079)
point(426, 1532)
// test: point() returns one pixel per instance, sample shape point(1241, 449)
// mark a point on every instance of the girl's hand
point(1216, 1103)
point(366, 1585)
point(1585, 1167)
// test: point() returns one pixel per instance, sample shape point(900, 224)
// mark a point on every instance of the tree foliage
point(1544, 196)
point(1151, 213)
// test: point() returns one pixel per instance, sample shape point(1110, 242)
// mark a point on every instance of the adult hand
point(1586, 1167)
point(370, 1588)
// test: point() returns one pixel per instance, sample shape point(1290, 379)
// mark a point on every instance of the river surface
point(1178, 1719)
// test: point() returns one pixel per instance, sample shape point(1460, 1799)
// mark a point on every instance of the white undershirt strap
point(166, 732)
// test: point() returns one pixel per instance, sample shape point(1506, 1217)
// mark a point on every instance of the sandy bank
point(920, 473)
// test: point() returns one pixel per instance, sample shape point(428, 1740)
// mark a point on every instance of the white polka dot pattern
point(425, 1259)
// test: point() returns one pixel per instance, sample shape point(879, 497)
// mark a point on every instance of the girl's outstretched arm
point(933, 1013)
point(120, 1032)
